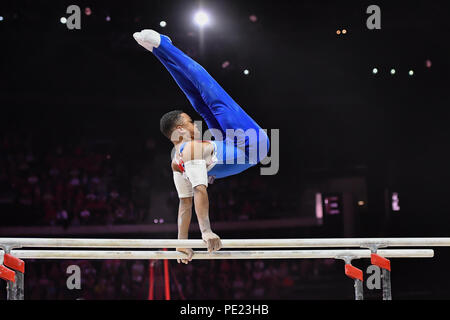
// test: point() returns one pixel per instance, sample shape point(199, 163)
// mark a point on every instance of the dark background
point(336, 118)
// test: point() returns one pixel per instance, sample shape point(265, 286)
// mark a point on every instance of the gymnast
point(239, 142)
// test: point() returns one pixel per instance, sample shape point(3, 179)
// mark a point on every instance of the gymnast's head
point(178, 126)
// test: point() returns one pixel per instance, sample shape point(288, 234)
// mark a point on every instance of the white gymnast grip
point(183, 185)
point(196, 172)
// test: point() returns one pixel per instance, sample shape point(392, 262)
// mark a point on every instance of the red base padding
point(7, 274)
point(353, 272)
point(14, 263)
point(380, 261)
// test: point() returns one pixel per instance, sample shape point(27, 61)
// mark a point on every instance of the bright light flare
point(201, 18)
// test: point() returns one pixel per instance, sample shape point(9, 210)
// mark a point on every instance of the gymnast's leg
point(228, 113)
point(217, 103)
point(185, 85)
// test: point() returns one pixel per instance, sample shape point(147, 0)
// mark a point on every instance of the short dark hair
point(169, 121)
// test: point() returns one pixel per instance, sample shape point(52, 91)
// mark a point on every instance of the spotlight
point(155, 220)
point(63, 20)
point(108, 18)
point(163, 24)
point(253, 18)
point(411, 72)
point(225, 64)
point(88, 11)
point(1, 18)
point(246, 72)
point(161, 220)
point(428, 63)
point(338, 32)
point(201, 18)
point(344, 31)
point(392, 71)
point(375, 71)
point(361, 203)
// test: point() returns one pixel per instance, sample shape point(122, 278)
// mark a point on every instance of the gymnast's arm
point(186, 194)
point(184, 220)
point(184, 217)
point(195, 167)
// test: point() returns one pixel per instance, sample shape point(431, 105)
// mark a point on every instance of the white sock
point(149, 39)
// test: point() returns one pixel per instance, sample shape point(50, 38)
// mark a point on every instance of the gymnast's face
point(189, 126)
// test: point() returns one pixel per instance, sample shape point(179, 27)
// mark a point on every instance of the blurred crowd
point(66, 184)
point(215, 279)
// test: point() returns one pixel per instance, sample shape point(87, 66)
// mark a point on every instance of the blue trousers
point(236, 152)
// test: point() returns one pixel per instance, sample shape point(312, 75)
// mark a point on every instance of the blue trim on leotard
point(182, 147)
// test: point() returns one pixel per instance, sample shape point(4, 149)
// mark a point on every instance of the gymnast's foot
point(149, 39)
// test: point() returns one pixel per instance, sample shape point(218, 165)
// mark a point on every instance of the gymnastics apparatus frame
point(12, 268)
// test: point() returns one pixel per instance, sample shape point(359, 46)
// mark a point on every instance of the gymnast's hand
point(189, 253)
point(212, 240)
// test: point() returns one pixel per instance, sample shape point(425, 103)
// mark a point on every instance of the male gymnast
point(239, 142)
